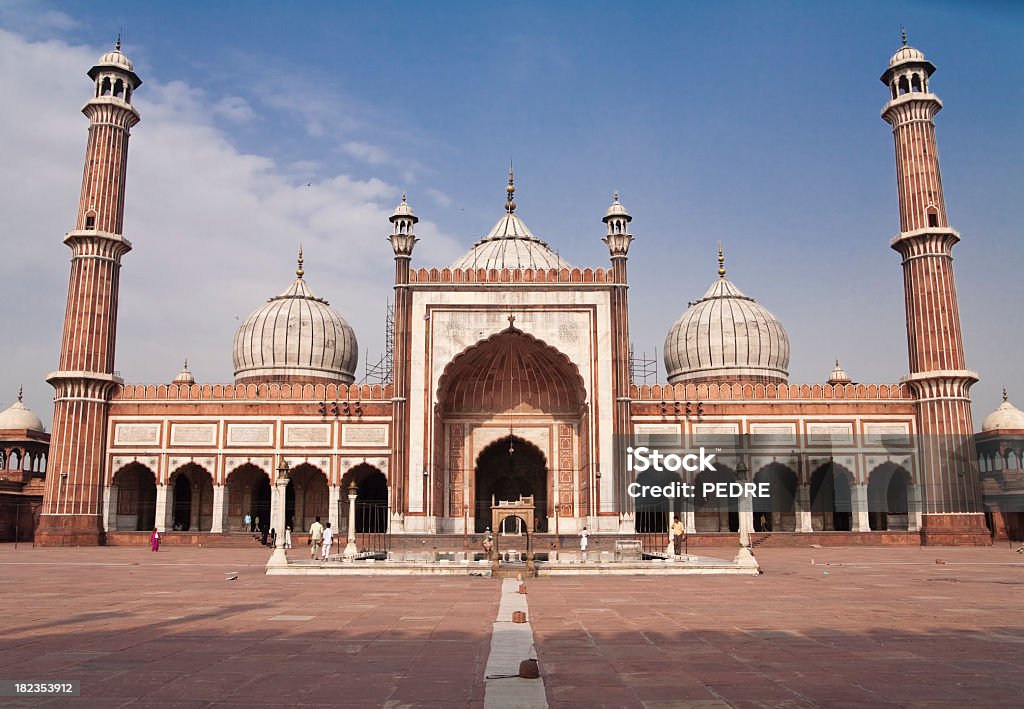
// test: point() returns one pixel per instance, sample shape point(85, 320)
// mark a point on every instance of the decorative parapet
point(505, 275)
point(784, 392)
point(266, 392)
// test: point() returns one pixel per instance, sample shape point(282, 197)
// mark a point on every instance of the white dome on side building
point(296, 336)
point(19, 417)
point(726, 336)
point(1006, 417)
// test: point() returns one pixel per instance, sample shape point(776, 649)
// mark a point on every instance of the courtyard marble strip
point(511, 643)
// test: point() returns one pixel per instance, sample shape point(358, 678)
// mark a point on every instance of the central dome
point(295, 337)
point(510, 244)
point(726, 336)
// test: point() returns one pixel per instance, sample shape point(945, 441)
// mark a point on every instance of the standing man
point(316, 538)
point(584, 536)
point(678, 530)
point(328, 540)
point(247, 525)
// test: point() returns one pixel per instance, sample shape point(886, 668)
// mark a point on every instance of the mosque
point(511, 376)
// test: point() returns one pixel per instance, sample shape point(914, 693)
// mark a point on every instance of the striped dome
point(726, 336)
point(295, 337)
point(510, 244)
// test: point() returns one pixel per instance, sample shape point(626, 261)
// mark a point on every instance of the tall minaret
point(947, 471)
point(617, 240)
point(72, 505)
point(403, 241)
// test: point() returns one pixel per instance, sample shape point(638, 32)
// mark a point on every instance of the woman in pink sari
point(154, 541)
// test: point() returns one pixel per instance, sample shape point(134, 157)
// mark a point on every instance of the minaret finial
point(903, 35)
point(186, 364)
point(721, 261)
point(21, 392)
point(510, 204)
point(117, 44)
point(1004, 395)
point(403, 198)
point(299, 272)
point(837, 363)
point(616, 196)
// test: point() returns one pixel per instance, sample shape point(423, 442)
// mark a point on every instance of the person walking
point(678, 530)
point(247, 523)
point(316, 538)
point(154, 540)
point(328, 540)
point(584, 539)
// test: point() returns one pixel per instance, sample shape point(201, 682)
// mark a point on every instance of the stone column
point(219, 506)
point(334, 507)
point(688, 519)
point(161, 508)
point(914, 508)
point(110, 508)
point(859, 504)
point(277, 505)
point(350, 548)
point(746, 514)
point(803, 509)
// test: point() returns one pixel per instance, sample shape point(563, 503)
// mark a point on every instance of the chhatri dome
point(295, 336)
point(510, 244)
point(115, 60)
point(1005, 418)
point(726, 336)
point(18, 417)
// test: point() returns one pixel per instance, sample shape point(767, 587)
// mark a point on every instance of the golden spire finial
point(510, 204)
point(299, 272)
point(21, 392)
point(721, 261)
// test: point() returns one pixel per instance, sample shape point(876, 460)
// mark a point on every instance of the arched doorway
point(711, 512)
point(889, 498)
point(248, 493)
point(191, 499)
point(776, 513)
point(136, 498)
point(306, 497)
point(518, 382)
point(651, 513)
point(372, 513)
point(831, 505)
point(506, 470)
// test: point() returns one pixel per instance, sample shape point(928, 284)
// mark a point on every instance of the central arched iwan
point(511, 371)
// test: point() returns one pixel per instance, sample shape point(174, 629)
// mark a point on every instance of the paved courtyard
point(860, 627)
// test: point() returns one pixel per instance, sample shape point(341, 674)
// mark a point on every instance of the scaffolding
point(380, 371)
point(643, 369)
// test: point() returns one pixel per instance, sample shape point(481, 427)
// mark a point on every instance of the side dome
point(1005, 418)
point(726, 336)
point(296, 336)
point(18, 416)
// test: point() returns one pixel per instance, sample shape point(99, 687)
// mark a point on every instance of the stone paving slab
point(861, 627)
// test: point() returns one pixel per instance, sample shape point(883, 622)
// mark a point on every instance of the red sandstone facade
point(523, 355)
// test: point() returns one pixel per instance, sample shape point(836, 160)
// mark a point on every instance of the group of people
point(321, 539)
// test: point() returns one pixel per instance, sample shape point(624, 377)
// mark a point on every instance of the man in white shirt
point(316, 538)
point(584, 535)
point(328, 540)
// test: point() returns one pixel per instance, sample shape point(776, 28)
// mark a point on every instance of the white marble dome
point(906, 54)
point(1005, 418)
point(295, 337)
point(116, 57)
point(18, 416)
point(726, 336)
point(510, 244)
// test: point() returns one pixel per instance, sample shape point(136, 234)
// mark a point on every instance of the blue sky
point(756, 124)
